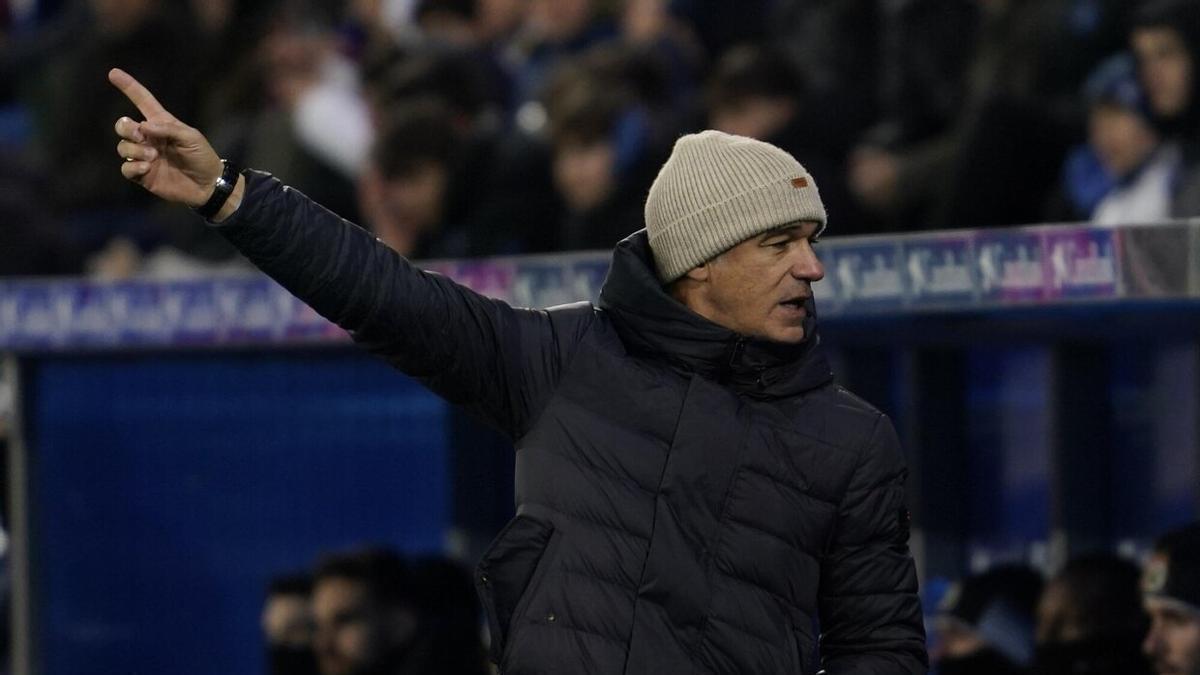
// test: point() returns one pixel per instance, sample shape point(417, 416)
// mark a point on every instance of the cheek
point(1176, 75)
point(584, 175)
point(749, 296)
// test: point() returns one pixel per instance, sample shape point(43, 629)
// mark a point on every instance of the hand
point(167, 157)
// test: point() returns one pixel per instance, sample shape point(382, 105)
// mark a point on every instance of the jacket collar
point(653, 324)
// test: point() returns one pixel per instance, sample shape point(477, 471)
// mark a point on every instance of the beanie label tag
point(801, 182)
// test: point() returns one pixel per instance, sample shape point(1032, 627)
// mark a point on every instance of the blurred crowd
point(373, 612)
point(1100, 614)
point(458, 128)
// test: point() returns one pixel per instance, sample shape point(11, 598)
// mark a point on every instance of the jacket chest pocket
point(509, 575)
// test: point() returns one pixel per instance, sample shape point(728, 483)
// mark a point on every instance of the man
point(1089, 619)
point(693, 492)
point(287, 625)
point(1171, 596)
point(366, 615)
point(1165, 40)
point(377, 614)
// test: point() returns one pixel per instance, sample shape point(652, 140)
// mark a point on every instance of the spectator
point(1090, 620)
point(366, 613)
point(314, 127)
point(1166, 40)
point(1131, 152)
point(1022, 82)
point(650, 27)
point(986, 623)
point(65, 92)
point(429, 190)
point(377, 615)
point(1124, 174)
point(1171, 596)
point(287, 625)
point(604, 147)
point(553, 30)
point(836, 47)
point(404, 192)
point(473, 93)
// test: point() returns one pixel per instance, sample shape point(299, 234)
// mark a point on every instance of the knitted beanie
point(717, 190)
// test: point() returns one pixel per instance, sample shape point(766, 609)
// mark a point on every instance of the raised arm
point(498, 361)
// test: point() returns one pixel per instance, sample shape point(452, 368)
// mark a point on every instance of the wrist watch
point(221, 191)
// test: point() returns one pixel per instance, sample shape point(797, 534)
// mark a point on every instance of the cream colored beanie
point(715, 191)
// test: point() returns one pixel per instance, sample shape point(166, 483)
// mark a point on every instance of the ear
point(699, 272)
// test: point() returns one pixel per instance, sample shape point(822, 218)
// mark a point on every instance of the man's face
point(353, 634)
point(287, 621)
point(758, 288)
point(583, 173)
point(415, 199)
point(402, 209)
point(1173, 642)
point(1058, 618)
point(1122, 139)
point(1166, 69)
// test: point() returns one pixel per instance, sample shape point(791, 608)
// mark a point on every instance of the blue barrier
point(882, 276)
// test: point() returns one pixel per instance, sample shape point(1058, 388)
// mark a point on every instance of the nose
point(805, 265)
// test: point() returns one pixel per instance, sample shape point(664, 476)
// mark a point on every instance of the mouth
point(796, 302)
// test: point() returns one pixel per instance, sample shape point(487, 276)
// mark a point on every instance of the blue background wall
point(168, 489)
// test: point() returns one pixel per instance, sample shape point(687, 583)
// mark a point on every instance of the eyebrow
point(788, 231)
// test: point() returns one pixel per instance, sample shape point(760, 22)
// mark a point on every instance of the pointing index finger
point(138, 94)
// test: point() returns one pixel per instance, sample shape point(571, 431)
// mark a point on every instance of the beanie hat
point(717, 190)
point(1115, 82)
point(1173, 571)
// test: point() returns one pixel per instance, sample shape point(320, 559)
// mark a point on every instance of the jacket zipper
point(734, 354)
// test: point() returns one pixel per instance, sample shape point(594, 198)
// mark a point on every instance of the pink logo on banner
point(493, 278)
point(1011, 266)
point(1082, 263)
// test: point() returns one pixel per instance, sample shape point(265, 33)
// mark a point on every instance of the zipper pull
point(734, 354)
point(737, 352)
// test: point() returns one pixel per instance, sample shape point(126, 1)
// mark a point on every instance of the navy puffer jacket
point(688, 500)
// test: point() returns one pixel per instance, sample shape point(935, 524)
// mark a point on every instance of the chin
point(792, 335)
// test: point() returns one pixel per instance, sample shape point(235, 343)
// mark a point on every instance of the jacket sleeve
point(870, 613)
point(499, 362)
